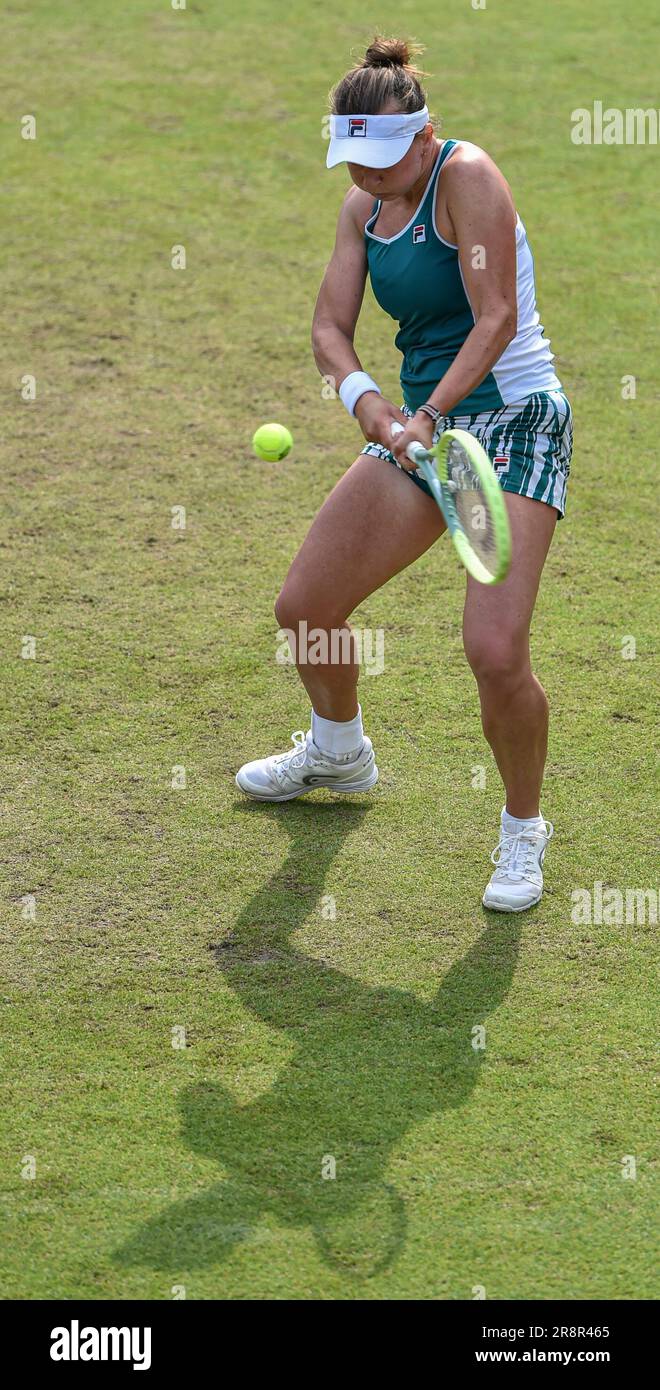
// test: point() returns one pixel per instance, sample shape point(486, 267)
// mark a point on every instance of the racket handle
point(396, 428)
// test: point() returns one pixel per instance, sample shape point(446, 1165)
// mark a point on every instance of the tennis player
point(433, 223)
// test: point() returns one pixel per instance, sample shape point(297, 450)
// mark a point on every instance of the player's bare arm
point(481, 217)
point(337, 311)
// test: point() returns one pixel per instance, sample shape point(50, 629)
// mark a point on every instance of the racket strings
point(471, 506)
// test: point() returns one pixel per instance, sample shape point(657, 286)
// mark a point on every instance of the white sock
point(338, 739)
point(513, 825)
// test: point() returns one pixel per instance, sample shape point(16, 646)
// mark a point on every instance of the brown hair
point(385, 74)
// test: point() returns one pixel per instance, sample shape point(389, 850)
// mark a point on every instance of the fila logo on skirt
point(419, 233)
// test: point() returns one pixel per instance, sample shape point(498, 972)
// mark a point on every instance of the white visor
point(373, 141)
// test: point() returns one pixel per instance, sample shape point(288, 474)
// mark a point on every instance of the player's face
point(399, 179)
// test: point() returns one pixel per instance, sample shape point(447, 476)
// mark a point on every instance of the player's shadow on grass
point(368, 1063)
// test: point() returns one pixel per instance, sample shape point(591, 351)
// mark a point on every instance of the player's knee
point(497, 657)
point(294, 606)
point(287, 610)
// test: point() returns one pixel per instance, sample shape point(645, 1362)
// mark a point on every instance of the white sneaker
point(518, 879)
point(303, 768)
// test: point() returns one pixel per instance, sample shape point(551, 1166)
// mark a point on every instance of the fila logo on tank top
point(416, 278)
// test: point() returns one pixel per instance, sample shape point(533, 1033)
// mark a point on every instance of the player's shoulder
point(468, 166)
point(357, 207)
point(468, 157)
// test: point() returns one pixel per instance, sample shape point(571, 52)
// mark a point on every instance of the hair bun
point(390, 53)
point(386, 78)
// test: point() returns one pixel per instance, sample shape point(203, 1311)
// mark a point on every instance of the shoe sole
point(330, 786)
point(507, 907)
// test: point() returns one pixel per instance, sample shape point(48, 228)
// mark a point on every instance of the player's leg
point(514, 706)
point(375, 522)
point(496, 624)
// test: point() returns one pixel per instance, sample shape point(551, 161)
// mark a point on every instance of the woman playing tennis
point(433, 223)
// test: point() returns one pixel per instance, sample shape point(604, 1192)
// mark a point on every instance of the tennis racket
point(467, 491)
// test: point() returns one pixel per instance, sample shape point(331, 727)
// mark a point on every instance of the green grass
point(157, 908)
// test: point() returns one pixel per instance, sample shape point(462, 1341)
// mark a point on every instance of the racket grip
point(396, 428)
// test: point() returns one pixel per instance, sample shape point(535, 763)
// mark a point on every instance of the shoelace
point(294, 757)
point(518, 853)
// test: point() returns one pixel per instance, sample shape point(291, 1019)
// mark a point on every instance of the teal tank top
point(416, 278)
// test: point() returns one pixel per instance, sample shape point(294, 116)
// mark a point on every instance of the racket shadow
point(368, 1064)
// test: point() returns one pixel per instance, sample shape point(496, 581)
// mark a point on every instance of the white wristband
point(353, 386)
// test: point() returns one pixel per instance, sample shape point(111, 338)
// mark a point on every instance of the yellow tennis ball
point(272, 442)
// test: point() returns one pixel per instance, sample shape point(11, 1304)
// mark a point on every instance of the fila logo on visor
point(357, 125)
point(419, 233)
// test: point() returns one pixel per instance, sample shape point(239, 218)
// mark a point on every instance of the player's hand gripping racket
point(470, 498)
